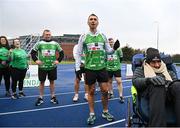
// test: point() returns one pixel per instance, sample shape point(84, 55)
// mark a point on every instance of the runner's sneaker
point(76, 98)
point(91, 119)
point(121, 99)
point(21, 94)
point(54, 100)
point(86, 96)
point(8, 94)
point(107, 116)
point(14, 96)
point(110, 95)
point(39, 101)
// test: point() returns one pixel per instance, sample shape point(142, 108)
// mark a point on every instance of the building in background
point(67, 42)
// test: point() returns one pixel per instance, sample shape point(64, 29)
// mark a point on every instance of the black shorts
point(82, 68)
point(52, 74)
point(114, 73)
point(93, 76)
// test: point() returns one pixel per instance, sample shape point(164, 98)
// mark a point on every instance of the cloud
point(131, 21)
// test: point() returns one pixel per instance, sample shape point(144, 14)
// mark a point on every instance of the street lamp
point(157, 34)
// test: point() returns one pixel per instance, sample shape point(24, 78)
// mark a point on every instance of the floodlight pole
point(157, 34)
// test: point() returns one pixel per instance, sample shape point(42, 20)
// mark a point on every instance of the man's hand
point(38, 62)
point(56, 62)
point(79, 74)
point(116, 45)
point(3, 63)
point(157, 80)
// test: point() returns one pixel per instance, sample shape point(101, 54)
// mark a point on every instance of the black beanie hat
point(152, 54)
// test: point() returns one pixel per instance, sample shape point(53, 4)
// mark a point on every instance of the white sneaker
point(86, 96)
point(76, 98)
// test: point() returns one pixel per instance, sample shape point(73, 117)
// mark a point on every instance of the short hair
point(109, 39)
point(46, 30)
point(16, 39)
point(93, 15)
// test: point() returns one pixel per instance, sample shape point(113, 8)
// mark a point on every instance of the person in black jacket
point(157, 84)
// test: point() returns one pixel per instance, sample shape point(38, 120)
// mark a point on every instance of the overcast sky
point(133, 22)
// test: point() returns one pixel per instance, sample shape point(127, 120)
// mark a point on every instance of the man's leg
point(90, 80)
point(41, 89)
point(76, 89)
point(174, 91)
point(91, 90)
point(91, 118)
point(85, 89)
point(52, 76)
point(42, 78)
point(104, 96)
point(157, 96)
point(41, 93)
point(52, 88)
point(120, 88)
point(110, 89)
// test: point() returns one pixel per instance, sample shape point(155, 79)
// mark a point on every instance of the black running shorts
point(95, 75)
point(52, 74)
point(114, 73)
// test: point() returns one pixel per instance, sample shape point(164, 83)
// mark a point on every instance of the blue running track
point(23, 112)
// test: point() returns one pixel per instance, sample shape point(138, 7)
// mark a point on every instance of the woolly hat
point(152, 54)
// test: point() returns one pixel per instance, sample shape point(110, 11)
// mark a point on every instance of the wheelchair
point(140, 106)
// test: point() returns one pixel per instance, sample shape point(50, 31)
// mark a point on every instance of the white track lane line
point(111, 123)
point(66, 93)
point(56, 107)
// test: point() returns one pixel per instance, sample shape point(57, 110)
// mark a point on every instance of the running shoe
point(76, 98)
point(14, 96)
point(110, 95)
point(121, 99)
point(91, 119)
point(54, 100)
point(21, 94)
point(107, 116)
point(86, 97)
point(39, 101)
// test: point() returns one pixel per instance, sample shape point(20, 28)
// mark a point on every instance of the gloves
point(157, 80)
point(79, 74)
point(116, 45)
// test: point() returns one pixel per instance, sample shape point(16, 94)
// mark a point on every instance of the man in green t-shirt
point(47, 54)
point(94, 44)
point(114, 69)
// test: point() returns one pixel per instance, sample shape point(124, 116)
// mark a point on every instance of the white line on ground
point(66, 93)
point(49, 108)
point(111, 123)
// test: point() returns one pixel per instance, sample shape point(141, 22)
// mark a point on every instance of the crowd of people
point(90, 54)
point(98, 59)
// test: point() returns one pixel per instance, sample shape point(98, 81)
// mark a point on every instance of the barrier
point(31, 79)
point(129, 72)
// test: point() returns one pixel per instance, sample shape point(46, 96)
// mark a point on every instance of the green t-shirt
point(4, 55)
point(47, 53)
point(113, 60)
point(94, 49)
point(19, 59)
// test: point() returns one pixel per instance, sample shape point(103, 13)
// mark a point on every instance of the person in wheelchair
point(153, 81)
